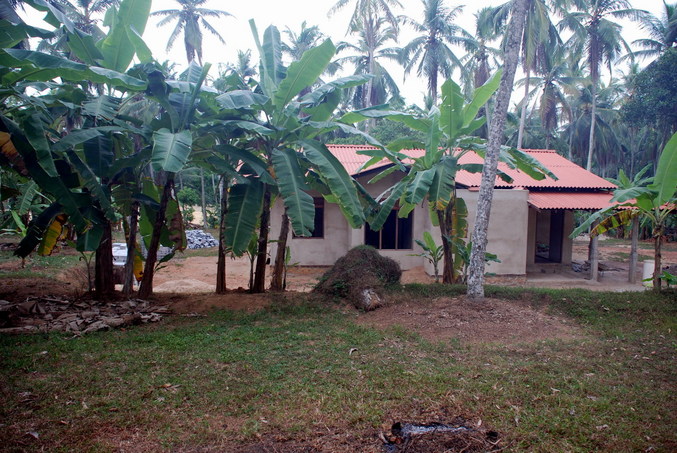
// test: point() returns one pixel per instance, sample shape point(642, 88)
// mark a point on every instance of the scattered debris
point(45, 314)
point(403, 437)
point(578, 266)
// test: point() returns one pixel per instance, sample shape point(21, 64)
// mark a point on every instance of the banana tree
point(71, 139)
point(172, 142)
point(432, 176)
point(283, 129)
point(655, 202)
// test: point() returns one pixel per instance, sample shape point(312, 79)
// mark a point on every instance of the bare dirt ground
point(492, 321)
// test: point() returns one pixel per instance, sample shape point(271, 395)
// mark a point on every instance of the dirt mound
point(489, 321)
point(359, 275)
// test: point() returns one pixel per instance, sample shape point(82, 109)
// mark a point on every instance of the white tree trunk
point(632, 272)
point(523, 116)
point(591, 144)
point(479, 236)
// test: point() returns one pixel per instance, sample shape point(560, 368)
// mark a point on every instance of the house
point(530, 220)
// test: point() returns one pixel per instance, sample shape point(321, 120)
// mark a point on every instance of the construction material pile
point(198, 239)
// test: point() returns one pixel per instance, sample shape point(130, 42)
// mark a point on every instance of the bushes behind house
point(359, 274)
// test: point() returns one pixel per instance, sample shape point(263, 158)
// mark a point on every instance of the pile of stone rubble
point(198, 239)
point(46, 313)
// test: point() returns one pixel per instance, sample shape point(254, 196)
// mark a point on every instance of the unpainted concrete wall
point(507, 232)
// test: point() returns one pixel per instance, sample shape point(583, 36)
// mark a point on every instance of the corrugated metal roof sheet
point(570, 175)
point(571, 200)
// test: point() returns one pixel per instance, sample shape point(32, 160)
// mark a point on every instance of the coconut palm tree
point(480, 58)
point(190, 20)
point(595, 31)
point(371, 9)
point(480, 55)
point(540, 37)
point(476, 267)
point(368, 53)
point(85, 15)
point(554, 84)
point(298, 43)
point(431, 52)
point(662, 32)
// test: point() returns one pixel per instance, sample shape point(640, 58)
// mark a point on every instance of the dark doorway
point(556, 236)
point(549, 236)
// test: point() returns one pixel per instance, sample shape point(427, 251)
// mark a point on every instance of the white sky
point(291, 13)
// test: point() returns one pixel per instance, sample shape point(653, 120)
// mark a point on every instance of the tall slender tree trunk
point(479, 236)
point(593, 255)
point(103, 270)
point(634, 234)
point(523, 115)
point(277, 281)
point(221, 264)
point(571, 142)
point(593, 114)
point(203, 199)
point(262, 253)
point(128, 285)
point(146, 288)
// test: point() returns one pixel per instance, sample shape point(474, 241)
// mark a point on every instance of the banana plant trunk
point(221, 264)
point(146, 288)
point(658, 243)
point(277, 281)
point(128, 283)
point(262, 253)
point(104, 284)
point(444, 219)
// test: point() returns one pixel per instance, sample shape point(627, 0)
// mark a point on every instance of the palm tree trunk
point(146, 288)
point(128, 284)
point(632, 272)
point(523, 115)
point(221, 264)
point(479, 236)
point(593, 114)
point(262, 253)
point(277, 281)
point(593, 255)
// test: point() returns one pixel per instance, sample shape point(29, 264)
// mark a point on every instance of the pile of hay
point(360, 276)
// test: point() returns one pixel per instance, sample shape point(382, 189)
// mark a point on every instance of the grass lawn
point(287, 375)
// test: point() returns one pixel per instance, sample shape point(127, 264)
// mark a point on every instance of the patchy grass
point(642, 245)
point(288, 373)
point(40, 266)
point(623, 256)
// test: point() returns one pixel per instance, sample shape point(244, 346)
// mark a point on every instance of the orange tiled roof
point(570, 175)
point(570, 200)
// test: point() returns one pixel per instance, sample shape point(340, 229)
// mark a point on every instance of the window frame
point(397, 219)
point(319, 204)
